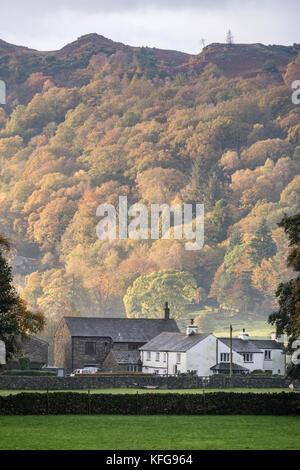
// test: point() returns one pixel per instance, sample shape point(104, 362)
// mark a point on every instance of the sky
point(165, 24)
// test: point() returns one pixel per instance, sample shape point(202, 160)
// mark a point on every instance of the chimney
point(167, 311)
point(243, 335)
point(191, 328)
point(278, 338)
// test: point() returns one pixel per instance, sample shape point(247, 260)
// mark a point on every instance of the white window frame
point(157, 357)
point(268, 355)
point(178, 358)
point(148, 357)
point(224, 357)
point(164, 357)
point(248, 357)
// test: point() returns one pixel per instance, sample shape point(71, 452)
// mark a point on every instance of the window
point(248, 357)
point(90, 349)
point(225, 357)
point(132, 368)
point(106, 348)
point(165, 357)
point(148, 356)
point(178, 358)
point(157, 356)
point(268, 356)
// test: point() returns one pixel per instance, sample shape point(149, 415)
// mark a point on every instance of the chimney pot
point(191, 328)
point(167, 311)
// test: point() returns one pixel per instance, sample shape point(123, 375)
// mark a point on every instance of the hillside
point(98, 119)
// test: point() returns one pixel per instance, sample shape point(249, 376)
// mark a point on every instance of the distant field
point(135, 390)
point(149, 432)
point(218, 323)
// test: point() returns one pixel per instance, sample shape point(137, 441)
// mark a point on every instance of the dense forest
point(97, 120)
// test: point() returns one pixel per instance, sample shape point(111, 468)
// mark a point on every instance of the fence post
point(47, 401)
point(89, 403)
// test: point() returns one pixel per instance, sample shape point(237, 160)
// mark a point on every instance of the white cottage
point(251, 354)
point(173, 353)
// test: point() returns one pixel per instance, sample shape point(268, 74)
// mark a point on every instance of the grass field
point(149, 432)
point(134, 390)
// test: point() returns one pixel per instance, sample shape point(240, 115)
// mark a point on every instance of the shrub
point(219, 403)
point(27, 372)
point(24, 362)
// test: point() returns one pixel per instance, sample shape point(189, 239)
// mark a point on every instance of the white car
point(90, 370)
point(76, 372)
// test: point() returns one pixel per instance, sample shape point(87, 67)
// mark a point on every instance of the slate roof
point(267, 344)
point(126, 357)
point(251, 345)
point(226, 366)
point(135, 330)
point(241, 345)
point(173, 342)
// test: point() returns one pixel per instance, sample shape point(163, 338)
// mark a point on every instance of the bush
point(219, 403)
point(261, 372)
point(24, 362)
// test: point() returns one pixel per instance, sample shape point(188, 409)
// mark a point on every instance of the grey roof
point(135, 330)
point(267, 344)
point(241, 345)
point(251, 345)
point(173, 342)
point(226, 366)
point(126, 357)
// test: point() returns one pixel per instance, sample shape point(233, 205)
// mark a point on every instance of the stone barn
point(81, 342)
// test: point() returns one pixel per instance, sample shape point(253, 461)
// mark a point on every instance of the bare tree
point(229, 37)
point(202, 42)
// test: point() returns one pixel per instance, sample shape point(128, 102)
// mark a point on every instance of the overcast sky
point(166, 24)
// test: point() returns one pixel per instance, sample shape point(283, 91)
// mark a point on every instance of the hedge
point(219, 403)
point(28, 373)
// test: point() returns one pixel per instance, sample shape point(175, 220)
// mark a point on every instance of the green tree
point(220, 220)
point(146, 297)
point(287, 317)
point(16, 321)
point(262, 245)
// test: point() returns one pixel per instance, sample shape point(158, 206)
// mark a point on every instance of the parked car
point(85, 370)
point(76, 372)
point(90, 370)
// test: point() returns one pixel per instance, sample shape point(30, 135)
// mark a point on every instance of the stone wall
point(80, 359)
point(119, 381)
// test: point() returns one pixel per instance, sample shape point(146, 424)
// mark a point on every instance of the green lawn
point(108, 432)
point(140, 390)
